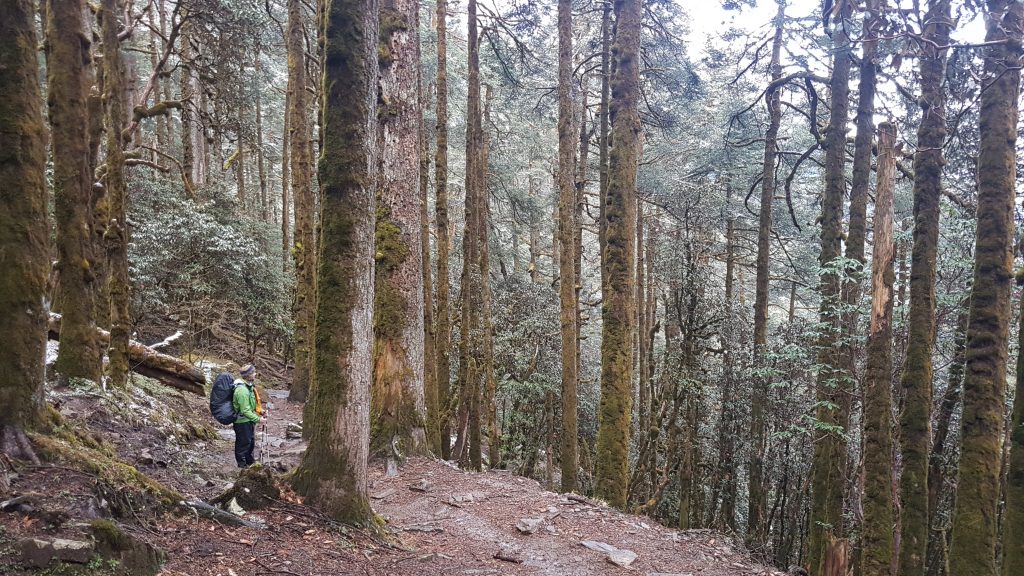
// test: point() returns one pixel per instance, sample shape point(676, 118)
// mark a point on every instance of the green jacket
point(244, 402)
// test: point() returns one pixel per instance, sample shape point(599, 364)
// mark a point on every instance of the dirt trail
point(440, 520)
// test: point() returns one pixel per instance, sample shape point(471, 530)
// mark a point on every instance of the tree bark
point(1013, 533)
point(916, 379)
point(430, 386)
point(285, 191)
point(398, 405)
point(116, 234)
point(757, 532)
point(567, 245)
point(24, 227)
point(877, 544)
point(618, 311)
point(973, 549)
point(304, 250)
point(332, 474)
point(68, 82)
point(443, 334)
point(829, 468)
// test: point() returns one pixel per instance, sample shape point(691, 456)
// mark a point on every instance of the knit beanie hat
point(248, 370)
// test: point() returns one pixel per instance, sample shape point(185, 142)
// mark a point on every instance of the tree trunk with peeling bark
point(398, 413)
point(877, 544)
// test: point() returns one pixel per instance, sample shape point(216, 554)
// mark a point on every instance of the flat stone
point(227, 434)
point(422, 485)
point(280, 394)
point(598, 546)
point(529, 525)
point(622, 558)
point(39, 552)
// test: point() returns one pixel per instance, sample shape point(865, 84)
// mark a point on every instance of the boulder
point(529, 525)
point(622, 558)
point(39, 552)
point(134, 557)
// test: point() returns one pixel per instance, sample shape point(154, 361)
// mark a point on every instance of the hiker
point(247, 405)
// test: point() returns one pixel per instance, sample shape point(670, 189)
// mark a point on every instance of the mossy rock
point(133, 556)
point(255, 488)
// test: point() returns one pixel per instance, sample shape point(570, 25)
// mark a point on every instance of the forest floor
point(439, 520)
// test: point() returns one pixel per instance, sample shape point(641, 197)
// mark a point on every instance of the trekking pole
point(263, 447)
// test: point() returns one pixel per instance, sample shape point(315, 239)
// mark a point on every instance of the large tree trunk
point(24, 228)
point(398, 408)
point(757, 509)
point(304, 247)
point(829, 469)
point(603, 138)
point(116, 234)
point(285, 187)
point(443, 333)
point(916, 379)
point(332, 474)
point(973, 549)
point(618, 311)
point(261, 167)
point(67, 95)
point(1013, 532)
point(727, 426)
point(567, 246)
point(877, 544)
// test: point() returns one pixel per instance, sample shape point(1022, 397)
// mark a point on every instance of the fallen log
point(169, 370)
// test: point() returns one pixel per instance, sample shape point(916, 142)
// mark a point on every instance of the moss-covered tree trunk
point(67, 58)
point(24, 228)
point(398, 407)
point(757, 507)
point(725, 479)
point(603, 135)
point(618, 308)
point(304, 247)
point(443, 326)
point(430, 392)
point(261, 165)
point(286, 190)
point(489, 384)
point(567, 245)
point(116, 234)
point(1013, 531)
point(470, 336)
point(877, 543)
point(973, 548)
point(828, 476)
point(186, 93)
point(916, 379)
point(332, 474)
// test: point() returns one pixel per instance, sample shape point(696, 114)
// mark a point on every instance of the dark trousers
point(245, 443)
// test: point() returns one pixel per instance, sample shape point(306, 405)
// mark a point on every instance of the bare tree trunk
point(916, 379)
point(727, 429)
point(612, 466)
point(304, 247)
point(443, 336)
point(332, 474)
point(116, 235)
point(973, 549)
point(488, 382)
point(603, 142)
point(68, 99)
point(24, 228)
point(757, 531)
point(877, 544)
point(567, 244)
point(398, 407)
point(260, 160)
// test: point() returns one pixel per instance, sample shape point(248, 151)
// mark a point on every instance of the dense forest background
point(757, 278)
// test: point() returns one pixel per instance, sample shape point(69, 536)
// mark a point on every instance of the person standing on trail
point(246, 402)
